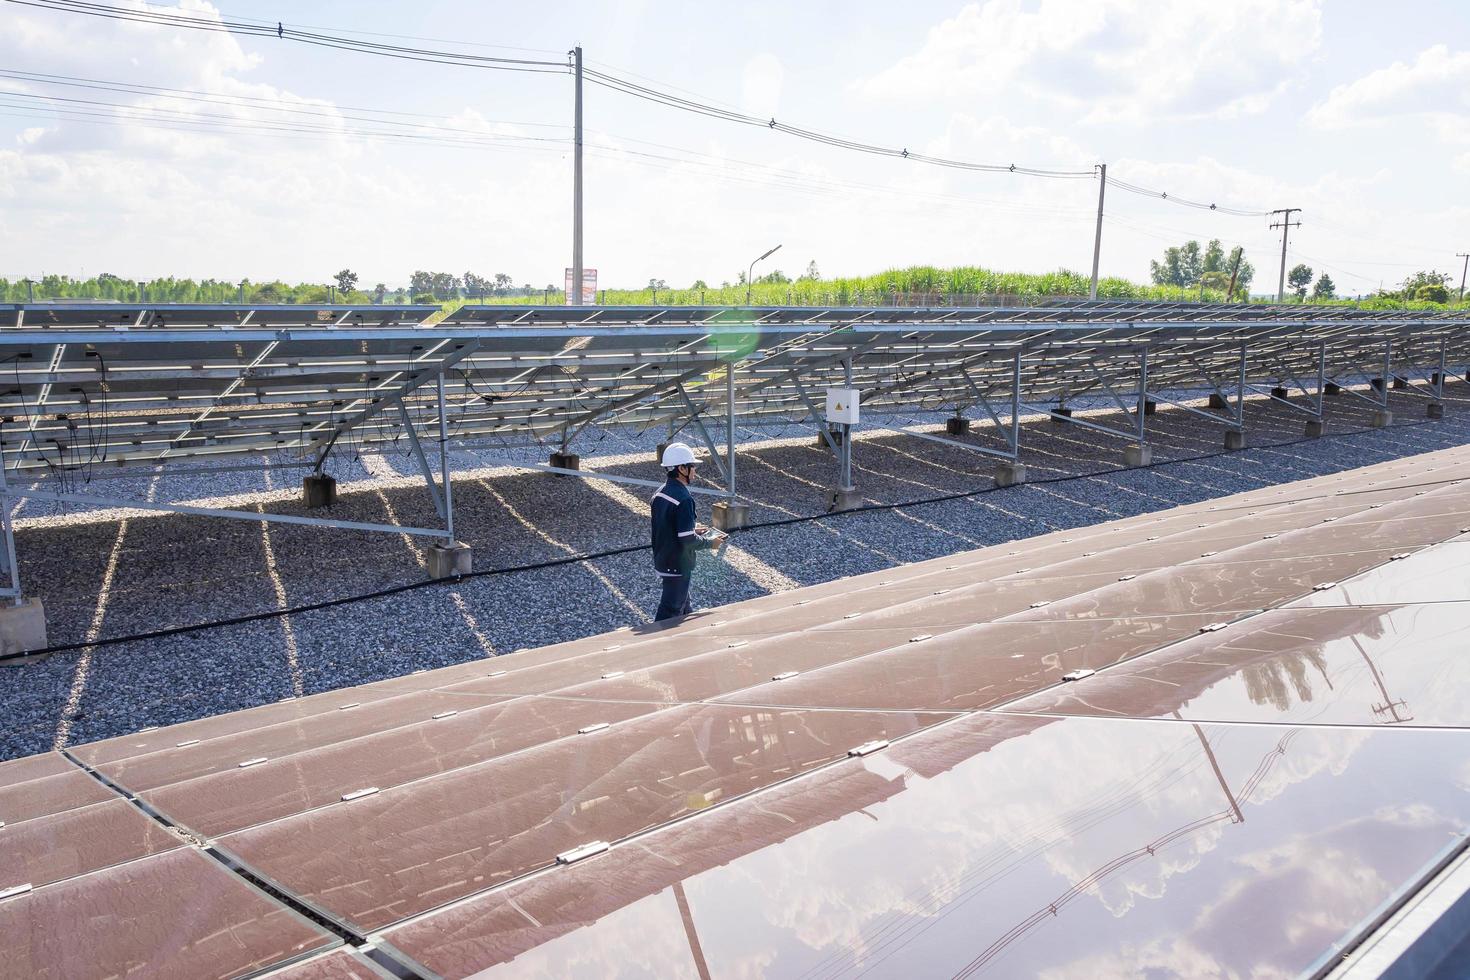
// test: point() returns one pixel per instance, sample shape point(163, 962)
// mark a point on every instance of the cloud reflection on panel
point(1014, 846)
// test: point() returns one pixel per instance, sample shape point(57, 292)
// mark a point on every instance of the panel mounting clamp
point(868, 748)
point(581, 853)
point(1079, 674)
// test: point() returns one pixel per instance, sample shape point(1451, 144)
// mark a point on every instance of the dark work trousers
point(675, 599)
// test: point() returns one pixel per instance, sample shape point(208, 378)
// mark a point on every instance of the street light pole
point(751, 271)
point(1463, 269)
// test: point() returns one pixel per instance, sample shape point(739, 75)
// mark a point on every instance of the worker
point(677, 535)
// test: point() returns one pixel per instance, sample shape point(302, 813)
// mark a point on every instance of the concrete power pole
point(1285, 224)
point(1463, 269)
point(1102, 188)
point(577, 183)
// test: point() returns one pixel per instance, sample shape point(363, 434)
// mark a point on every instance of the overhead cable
point(615, 82)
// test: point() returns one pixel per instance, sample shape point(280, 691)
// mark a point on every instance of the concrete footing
point(1435, 410)
point(1149, 407)
point(842, 498)
point(1218, 402)
point(1331, 389)
point(1376, 384)
point(1010, 474)
point(318, 490)
point(1434, 378)
point(956, 426)
point(658, 453)
point(1279, 392)
point(1138, 455)
point(730, 515)
point(22, 627)
point(565, 461)
point(1382, 418)
point(1314, 428)
point(449, 561)
point(1399, 384)
point(1234, 439)
point(1064, 413)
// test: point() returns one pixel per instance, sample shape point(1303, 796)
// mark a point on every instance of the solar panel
point(903, 751)
point(1353, 665)
point(178, 912)
point(1007, 846)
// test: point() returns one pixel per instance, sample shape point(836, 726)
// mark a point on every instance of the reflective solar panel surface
point(1043, 756)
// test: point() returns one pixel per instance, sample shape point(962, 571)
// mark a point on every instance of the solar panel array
point(103, 385)
point(1226, 735)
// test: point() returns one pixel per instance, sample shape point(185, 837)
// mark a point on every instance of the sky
point(267, 161)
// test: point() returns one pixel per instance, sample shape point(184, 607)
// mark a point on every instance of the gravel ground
point(103, 577)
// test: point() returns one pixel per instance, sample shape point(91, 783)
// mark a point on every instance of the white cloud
point(761, 85)
point(1435, 89)
point(1130, 60)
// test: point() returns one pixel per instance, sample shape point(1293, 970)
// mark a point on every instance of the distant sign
point(589, 287)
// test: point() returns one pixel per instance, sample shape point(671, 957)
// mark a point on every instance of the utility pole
point(1463, 269)
point(1285, 224)
point(1102, 188)
point(577, 182)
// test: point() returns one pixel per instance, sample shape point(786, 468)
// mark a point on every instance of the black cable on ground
point(631, 549)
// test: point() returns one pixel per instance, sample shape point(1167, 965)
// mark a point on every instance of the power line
point(282, 32)
point(621, 82)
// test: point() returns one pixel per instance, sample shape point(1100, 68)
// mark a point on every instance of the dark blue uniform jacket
point(674, 541)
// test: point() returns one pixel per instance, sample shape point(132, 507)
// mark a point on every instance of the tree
point(657, 284)
point(699, 284)
point(346, 281)
point(420, 282)
point(502, 282)
point(379, 291)
point(1182, 266)
point(811, 271)
point(1299, 278)
point(1432, 287)
point(1325, 288)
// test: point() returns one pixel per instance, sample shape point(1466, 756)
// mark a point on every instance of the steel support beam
point(397, 395)
point(444, 462)
point(239, 515)
point(697, 417)
point(423, 461)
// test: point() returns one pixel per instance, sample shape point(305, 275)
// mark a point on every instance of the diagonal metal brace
point(817, 416)
point(418, 452)
point(379, 404)
point(696, 416)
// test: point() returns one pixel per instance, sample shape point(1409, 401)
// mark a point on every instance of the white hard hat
point(679, 454)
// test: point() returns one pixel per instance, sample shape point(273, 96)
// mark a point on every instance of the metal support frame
point(697, 417)
point(818, 417)
point(11, 591)
point(239, 515)
point(1139, 435)
point(444, 464)
point(730, 428)
point(423, 461)
point(1439, 378)
point(1010, 432)
point(1387, 371)
point(846, 454)
point(1143, 397)
point(414, 383)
